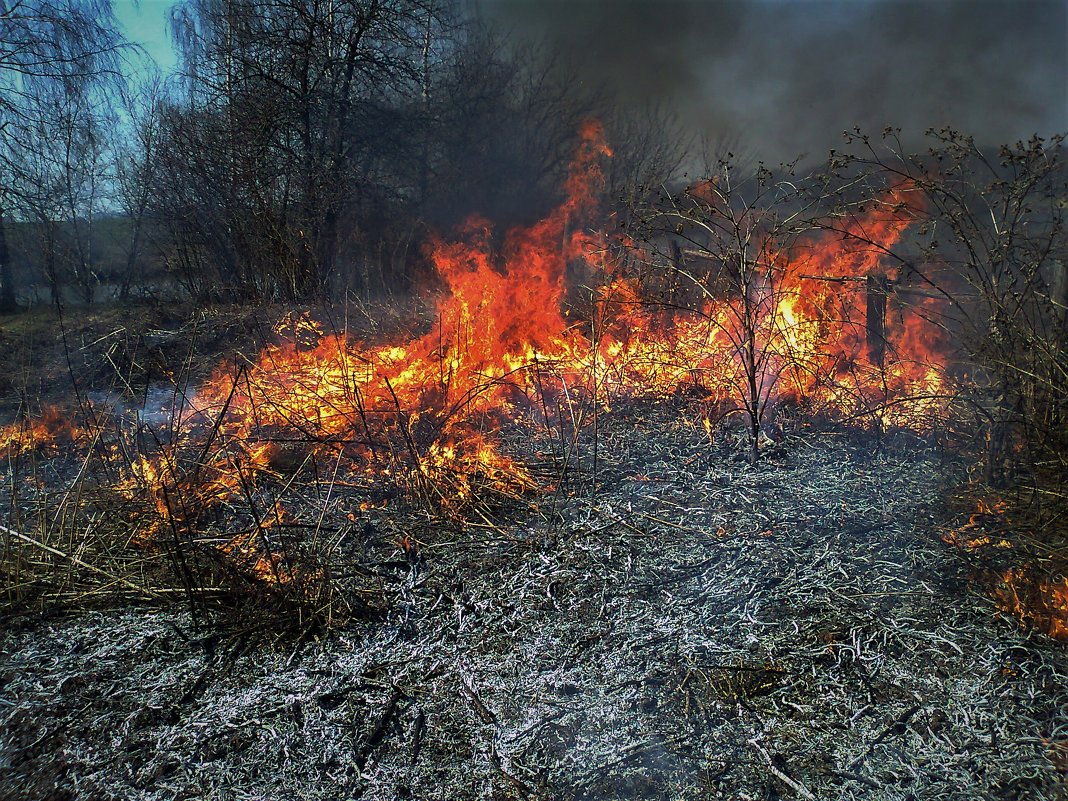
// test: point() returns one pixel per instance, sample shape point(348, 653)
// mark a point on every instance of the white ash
point(696, 629)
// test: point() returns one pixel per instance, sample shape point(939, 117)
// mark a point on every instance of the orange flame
point(1039, 602)
point(424, 411)
point(53, 428)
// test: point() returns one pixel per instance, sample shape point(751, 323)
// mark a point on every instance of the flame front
point(425, 411)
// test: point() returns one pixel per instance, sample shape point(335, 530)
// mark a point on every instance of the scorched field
point(566, 529)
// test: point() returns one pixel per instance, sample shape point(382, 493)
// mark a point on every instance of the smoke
point(786, 78)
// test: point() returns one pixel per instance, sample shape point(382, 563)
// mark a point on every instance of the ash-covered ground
point(696, 628)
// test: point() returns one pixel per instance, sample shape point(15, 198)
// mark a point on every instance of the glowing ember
point(983, 527)
point(1039, 602)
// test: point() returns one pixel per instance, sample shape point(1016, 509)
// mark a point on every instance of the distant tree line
point(303, 147)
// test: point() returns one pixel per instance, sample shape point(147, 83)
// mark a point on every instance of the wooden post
point(676, 271)
point(1058, 291)
point(878, 287)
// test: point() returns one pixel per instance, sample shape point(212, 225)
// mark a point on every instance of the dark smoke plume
point(786, 78)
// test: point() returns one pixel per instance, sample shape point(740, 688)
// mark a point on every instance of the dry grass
point(684, 626)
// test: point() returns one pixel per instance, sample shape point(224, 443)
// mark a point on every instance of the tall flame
point(426, 409)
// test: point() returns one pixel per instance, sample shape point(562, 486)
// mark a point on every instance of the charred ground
point(667, 621)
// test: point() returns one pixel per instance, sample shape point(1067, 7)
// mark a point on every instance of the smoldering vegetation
point(700, 628)
point(410, 400)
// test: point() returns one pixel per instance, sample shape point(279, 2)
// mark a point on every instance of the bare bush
point(724, 239)
point(993, 245)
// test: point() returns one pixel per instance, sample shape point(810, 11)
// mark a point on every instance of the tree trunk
point(1058, 291)
point(753, 378)
point(8, 304)
point(133, 253)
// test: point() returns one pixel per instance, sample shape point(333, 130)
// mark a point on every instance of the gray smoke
point(786, 78)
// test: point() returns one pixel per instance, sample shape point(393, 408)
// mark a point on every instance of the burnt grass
point(663, 621)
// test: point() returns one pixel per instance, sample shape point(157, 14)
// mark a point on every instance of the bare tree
point(504, 123)
point(36, 179)
point(649, 151)
point(314, 139)
point(292, 109)
point(137, 169)
point(87, 180)
point(46, 47)
point(725, 237)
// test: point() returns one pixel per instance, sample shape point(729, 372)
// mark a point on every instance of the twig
point(378, 730)
point(483, 713)
point(793, 784)
point(81, 563)
point(896, 727)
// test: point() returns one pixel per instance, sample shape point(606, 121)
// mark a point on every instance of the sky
point(145, 23)
point(784, 78)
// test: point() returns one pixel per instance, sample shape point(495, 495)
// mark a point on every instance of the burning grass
point(560, 573)
point(697, 627)
point(1022, 570)
point(256, 473)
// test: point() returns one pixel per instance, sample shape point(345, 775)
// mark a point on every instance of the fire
point(984, 527)
point(832, 326)
point(53, 428)
point(1026, 591)
point(424, 406)
point(425, 411)
point(1041, 602)
point(855, 342)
